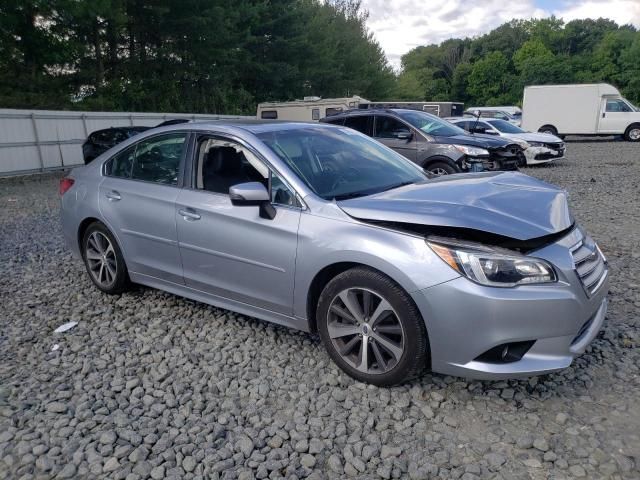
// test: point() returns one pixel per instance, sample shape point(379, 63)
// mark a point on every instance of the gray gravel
point(150, 385)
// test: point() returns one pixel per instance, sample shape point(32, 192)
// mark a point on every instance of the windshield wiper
point(346, 196)
point(397, 185)
point(364, 193)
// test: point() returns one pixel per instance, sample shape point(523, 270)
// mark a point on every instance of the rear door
point(137, 199)
point(392, 133)
point(361, 123)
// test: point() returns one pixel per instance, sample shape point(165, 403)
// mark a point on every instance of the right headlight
point(491, 266)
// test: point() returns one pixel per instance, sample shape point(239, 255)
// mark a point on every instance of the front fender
point(403, 257)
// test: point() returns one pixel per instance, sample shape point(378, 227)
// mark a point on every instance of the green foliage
point(494, 68)
point(209, 56)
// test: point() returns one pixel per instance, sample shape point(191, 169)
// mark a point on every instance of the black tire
point(441, 168)
point(522, 160)
point(632, 134)
point(120, 281)
point(548, 129)
point(415, 343)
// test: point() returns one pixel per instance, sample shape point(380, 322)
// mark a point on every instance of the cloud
point(402, 25)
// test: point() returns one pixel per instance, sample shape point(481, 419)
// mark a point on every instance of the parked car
point(321, 228)
point(495, 112)
point(538, 147)
point(435, 144)
point(100, 141)
point(588, 109)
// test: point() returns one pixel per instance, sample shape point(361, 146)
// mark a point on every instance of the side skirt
point(220, 302)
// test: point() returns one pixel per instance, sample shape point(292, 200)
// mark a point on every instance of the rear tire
point(104, 260)
point(441, 168)
point(632, 134)
point(371, 328)
point(548, 129)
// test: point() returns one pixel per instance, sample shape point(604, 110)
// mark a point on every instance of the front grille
point(590, 265)
point(554, 146)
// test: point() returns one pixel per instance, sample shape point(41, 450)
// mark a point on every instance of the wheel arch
point(629, 128)
point(440, 158)
point(549, 126)
point(329, 272)
point(82, 228)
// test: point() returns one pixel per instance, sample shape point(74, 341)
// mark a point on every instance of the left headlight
point(490, 266)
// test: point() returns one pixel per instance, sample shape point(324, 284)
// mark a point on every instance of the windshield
point(505, 127)
point(430, 124)
point(340, 163)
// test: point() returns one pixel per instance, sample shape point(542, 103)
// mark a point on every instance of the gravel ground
point(150, 385)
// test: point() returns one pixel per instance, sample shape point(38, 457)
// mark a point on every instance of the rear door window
point(120, 165)
point(361, 123)
point(158, 158)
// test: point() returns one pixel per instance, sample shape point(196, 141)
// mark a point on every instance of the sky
point(400, 25)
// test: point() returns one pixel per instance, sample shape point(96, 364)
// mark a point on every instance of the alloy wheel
point(365, 330)
point(439, 171)
point(634, 134)
point(101, 259)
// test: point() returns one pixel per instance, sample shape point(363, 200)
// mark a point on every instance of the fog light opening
point(506, 352)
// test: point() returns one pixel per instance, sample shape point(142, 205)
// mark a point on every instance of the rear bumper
point(465, 320)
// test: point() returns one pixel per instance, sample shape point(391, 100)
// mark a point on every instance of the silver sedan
point(322, 229)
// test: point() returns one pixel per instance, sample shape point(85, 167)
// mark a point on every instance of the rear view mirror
point(403, 135)
point(252, 194)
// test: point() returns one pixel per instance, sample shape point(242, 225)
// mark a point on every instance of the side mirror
point(404, 135)
point(253, 194)
point(476, 113)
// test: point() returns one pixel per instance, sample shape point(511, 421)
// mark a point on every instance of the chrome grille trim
point(589, 264)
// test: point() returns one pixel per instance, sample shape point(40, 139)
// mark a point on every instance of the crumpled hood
point(510, 204)
point(536, 137)
point(476, 140)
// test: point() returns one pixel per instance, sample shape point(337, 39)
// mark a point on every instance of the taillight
point(65, 184)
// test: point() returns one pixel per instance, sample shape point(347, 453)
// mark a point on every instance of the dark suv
point(435, 144)
point(102, 140)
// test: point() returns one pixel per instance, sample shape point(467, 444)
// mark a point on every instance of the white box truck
point(586, 109)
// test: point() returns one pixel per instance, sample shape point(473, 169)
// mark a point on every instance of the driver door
point(614, 117)
point(387, 131)
point(231, 251)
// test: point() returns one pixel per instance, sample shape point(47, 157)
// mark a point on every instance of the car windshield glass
point(431, 124)
point(505, 127)
point(339, 163)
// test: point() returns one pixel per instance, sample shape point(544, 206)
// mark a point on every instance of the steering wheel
point(349, 172)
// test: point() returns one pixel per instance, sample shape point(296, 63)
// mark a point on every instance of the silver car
point(320, 228)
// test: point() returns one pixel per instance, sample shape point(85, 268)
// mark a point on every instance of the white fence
point(40, 140)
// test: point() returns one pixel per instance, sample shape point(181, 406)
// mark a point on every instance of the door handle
point(113, 196)
point(603, 114)
point(188, 214)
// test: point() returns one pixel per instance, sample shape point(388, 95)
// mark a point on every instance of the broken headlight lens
point(490, 266)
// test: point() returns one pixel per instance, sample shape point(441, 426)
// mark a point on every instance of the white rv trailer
point(586, 109)
point(307, 109)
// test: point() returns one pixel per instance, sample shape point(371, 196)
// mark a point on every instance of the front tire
point(104, 260)
point(371, 328)
point(632, 133)
point(441, 168)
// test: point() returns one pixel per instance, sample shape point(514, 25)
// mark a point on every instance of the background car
point(100, 141)
point(538, 147)
point(433, 143)
point(495, 112)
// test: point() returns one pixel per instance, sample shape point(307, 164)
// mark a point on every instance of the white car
point(539, 147)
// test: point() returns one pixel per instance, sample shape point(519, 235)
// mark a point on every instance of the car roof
point(254, 126)
point(371, 111)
